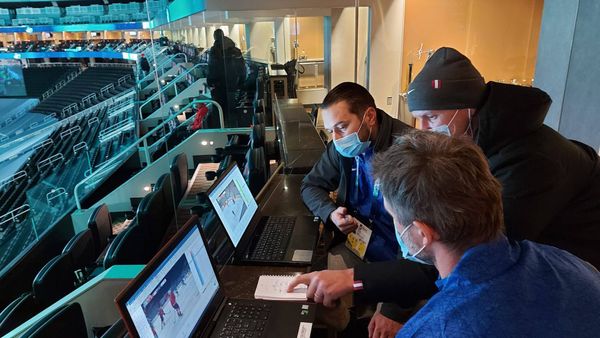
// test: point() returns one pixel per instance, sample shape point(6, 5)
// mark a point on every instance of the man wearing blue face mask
point(359, 130)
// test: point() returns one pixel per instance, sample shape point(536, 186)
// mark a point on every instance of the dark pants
point(225, 98)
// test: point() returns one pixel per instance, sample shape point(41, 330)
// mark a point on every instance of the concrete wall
point(567, 67)
point(387, 35)
point(259, 45)
point(342, 45)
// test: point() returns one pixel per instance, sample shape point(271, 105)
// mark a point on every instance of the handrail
point(68, 78)
point(18, 175)
point(123, 78)
point(94, 119)
point(162, 66)
point(55, 193)
point(143, 139)
point(106, 88)
point(43, 144)
point(70, 132)
point(115, 130)
point(88, 99)
point(50, 161)
point(155, 95)
point(13, 214)
point(119, 108)
point(69, 108)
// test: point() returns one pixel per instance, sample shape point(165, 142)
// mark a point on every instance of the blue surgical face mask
point(351, 145)
point(404, 248)
point(445, 128)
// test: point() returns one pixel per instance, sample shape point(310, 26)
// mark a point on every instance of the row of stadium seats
point(39, 80)
point(58, 276)
point(91, 81)
point(135, 11)
point(17, 234)
point(96, 45)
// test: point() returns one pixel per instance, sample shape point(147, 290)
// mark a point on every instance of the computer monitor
point(173, 297)
point(234, 203)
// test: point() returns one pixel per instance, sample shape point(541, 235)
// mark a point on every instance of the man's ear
point(371, 116)
point(426, 232)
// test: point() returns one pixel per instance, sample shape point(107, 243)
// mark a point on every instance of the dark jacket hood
point(509, 112)
point(225, 45)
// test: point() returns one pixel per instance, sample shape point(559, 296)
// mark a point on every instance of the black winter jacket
point(551, 185)
point(551, 189)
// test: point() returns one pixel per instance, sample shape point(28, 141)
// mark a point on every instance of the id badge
point(358, 240)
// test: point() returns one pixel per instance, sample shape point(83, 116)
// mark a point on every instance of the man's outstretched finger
point(300, 279)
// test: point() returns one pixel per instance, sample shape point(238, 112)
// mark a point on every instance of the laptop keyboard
point(274, 239)
point(245, 320)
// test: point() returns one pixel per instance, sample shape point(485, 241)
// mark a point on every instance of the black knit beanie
point(448, 81)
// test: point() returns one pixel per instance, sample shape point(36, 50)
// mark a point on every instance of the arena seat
point(65, 322)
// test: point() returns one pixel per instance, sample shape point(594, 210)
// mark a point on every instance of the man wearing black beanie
point(550, 185)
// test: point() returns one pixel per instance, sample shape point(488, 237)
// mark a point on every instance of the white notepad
point(271, 287)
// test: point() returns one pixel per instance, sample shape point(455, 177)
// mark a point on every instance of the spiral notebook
point(272, 287)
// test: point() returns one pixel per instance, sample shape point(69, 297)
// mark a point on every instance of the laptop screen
point(173, 299)
point(234, 204)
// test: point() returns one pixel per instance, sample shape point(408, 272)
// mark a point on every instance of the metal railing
point(88, 99)
point(70, 132)
point(115, 130)
point(150, 75)
point(15, 177)
point(107, 88)
point(110, 164)
point(70, 77)
point(114, 65)
point(155, 95)
point(13, 216)
point(123, 79)
point(44, 143)
point(61, 123)
point(53, 64)
point(119, 108)
point(50, 161)
point(55, 193)
point(71, 109)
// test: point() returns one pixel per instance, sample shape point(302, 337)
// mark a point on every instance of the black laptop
point(258, 239)
point(178, 294)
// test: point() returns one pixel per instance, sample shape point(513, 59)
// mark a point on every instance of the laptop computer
point(178, 294)
point(258, 239)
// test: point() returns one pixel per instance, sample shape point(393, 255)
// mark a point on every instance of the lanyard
point(375, 193)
